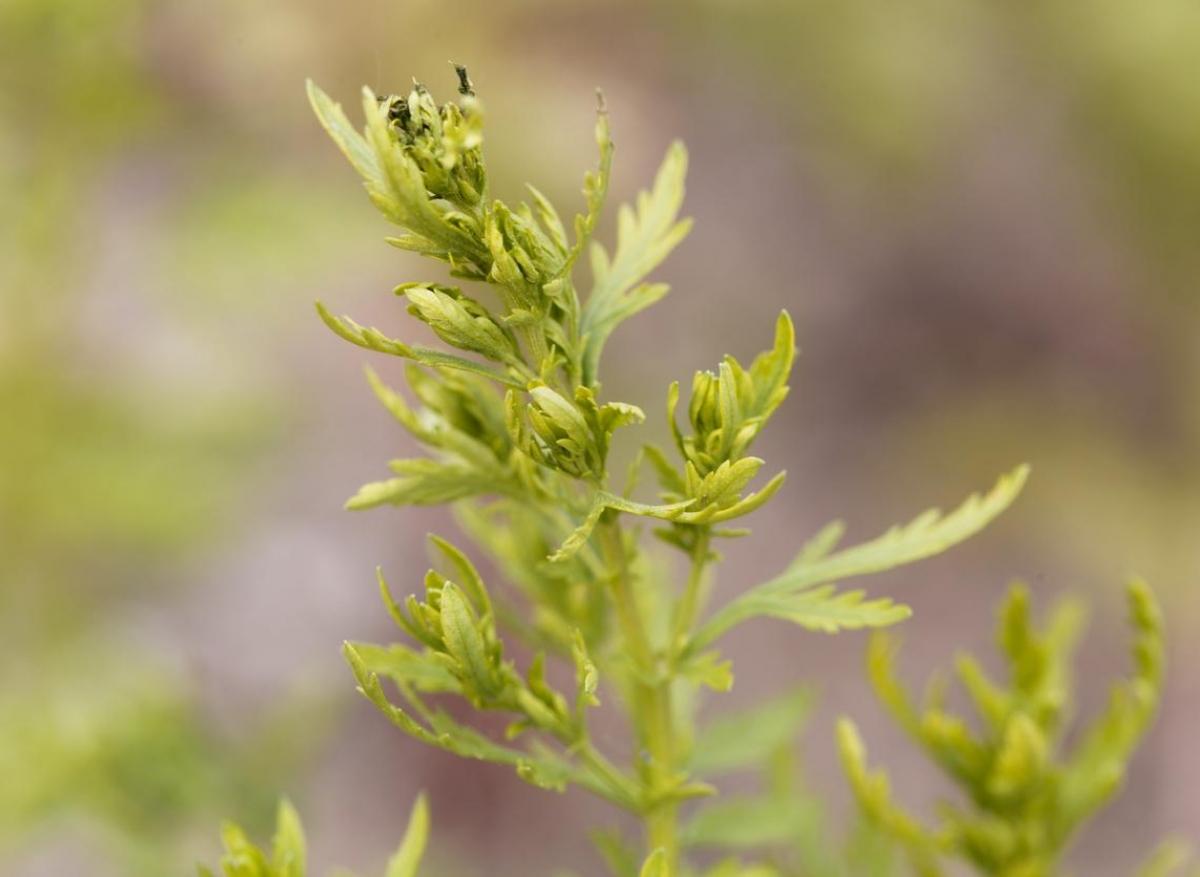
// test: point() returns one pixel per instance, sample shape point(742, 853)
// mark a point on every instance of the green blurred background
point(983, 216)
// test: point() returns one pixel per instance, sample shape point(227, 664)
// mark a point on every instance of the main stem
point(651, 705)
point(689, 604)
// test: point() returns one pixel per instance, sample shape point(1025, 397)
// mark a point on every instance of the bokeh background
point(983, 216)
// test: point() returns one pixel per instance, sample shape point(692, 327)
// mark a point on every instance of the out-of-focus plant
point(288, 856)
point(1024, 795)
point(519, 434)
point(123, 753)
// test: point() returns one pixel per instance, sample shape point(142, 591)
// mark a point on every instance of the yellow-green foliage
point(288, 853)
point(518, 430)
point(1024, 793)
point(288, 856)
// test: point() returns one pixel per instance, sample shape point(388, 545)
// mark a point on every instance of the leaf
point(667, 512)
point(947, 737)
point(747, 738)
point(928, 534)
point(723, 485)
point(742, 823)
point(668, 477)
point(873, 792)
point(465, 573)
point(1167, 859)
point(243, 859)
point(616, 852)
point(406, 667)
point(425, 482)
point(563, 414)
point(464, 642)
point(432, 427)
point(1019, 760)
point(1097, 769)
point(820, 545)
point(714, 514)
point(828, 610)
point(601, 502)
point(587, 678)
point(770, 370)
point(408, 857)
point(373, 339)
point(881, 670)
point(288, 855)
point(459, 321)
point(579, 536)
point(707, 669)
point(549, 218)
point(349, 140)
point(397, 407)
point(595, 187)
point(990, 701)
point(646, 234)
point(656, 865)
point(734, 868)
point(540, 767)
point(727, 405)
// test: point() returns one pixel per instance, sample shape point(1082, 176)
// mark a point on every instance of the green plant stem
point(662, 817)
point(535, 344)
point(651, 705)
point(689, 603)
point(624, 787)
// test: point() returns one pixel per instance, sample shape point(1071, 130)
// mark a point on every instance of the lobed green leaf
point(928, 534)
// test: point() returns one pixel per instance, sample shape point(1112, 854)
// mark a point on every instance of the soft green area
point(117, 470)
point(288, 855)
point(1025, 792)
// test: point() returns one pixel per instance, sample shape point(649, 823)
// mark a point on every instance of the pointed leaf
point(288, 854)
point(373, 339)
point(656, 865)
point(408, 858)
point(747, 738)
point(928, 534)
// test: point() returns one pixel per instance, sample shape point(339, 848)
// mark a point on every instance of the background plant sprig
point(288, 853)
point(1025, 795)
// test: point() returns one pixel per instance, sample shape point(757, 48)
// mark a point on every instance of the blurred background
point(983, 217)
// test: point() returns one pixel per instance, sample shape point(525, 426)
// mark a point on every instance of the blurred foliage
point(121, 754)
point(109, 475)
point(101, 462)
point(288, 856)
point(785, 816)
point(1024, 795)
